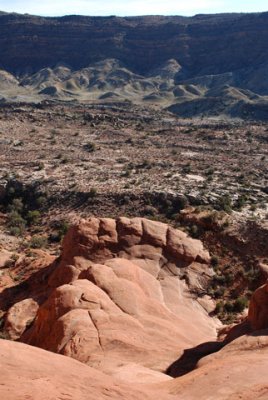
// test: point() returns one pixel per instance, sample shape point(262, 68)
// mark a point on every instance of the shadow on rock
point(188, 361)
point(35, 287)
point(190, 357)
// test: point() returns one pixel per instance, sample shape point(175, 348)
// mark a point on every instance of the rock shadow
point(190, 357)
point(36, 287)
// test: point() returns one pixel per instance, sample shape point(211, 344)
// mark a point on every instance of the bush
point(240, 202)
point(214, 261)
point(16, 231)
point(40, 201)
point(219, 292)
point(186, 169)
point(228, 306)
point(93, 192)
point(37, 242)
point(240, 304)
point(33, 217)
point(15, 220)
point(194, 231)
point(40, 166)
point(16, 205)
point(219, 279)
point(90, 147)
point(225, 204)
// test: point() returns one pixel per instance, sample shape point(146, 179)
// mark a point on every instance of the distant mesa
point(201, 66)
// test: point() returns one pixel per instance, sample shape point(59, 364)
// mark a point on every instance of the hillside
point(204, 65)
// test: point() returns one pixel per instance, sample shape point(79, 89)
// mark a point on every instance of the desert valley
point(133, 207)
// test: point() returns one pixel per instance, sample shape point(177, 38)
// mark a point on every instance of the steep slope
point(204, 44)
point(117, 293)
point(123, 294)
point(165, 61)
point(235, 370)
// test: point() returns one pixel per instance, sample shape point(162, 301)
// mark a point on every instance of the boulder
point(19, 317)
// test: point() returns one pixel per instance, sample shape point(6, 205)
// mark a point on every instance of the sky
point(131, 7)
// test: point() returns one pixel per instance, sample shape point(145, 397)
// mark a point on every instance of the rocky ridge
point(199, 66)
point(122, 293)
point(125, 299)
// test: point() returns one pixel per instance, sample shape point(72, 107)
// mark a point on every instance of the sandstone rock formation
point(19, 317)
point(235, 372)
point(238, 371)
point(34, 374)
point(125, 299)
point(124, 293)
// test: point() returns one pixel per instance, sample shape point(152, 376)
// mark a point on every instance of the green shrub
point(228, 306)
point(219, 292)
point(61, 228)
point(240, 202)
point(219, 279)
point(33, 217)
point(186, 169)
point(225, 204)
point(16, 205)
point(41, 166)
point(240, 304)
point(15, 220)
point(37, 242)
point(40, 201)
point(16, 231)
point(194, 231)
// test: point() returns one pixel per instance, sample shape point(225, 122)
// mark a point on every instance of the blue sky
point(131, 7)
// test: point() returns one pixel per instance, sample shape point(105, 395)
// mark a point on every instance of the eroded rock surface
point(34, 374)
point(124, 293)
point(125, 299)
point(19, 317)
point(238, 371)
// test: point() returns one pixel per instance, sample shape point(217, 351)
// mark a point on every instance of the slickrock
point(121, 296)
point(238, 371)
point(34, 374)
point(122, 303)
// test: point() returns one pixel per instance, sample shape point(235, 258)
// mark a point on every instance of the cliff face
point(205, 65)
point(204, 44)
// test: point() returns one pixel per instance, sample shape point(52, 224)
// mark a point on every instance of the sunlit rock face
point(125, 291)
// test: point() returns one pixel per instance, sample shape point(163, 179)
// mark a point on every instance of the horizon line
point(135, 16)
